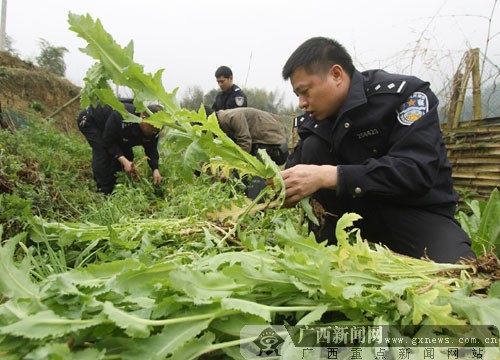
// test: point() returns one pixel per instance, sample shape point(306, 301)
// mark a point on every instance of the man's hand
point(304, 180)
point(156, 177)
point(129, 167)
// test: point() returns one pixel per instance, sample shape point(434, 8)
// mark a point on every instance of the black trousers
point(104, 165)
point(408, 230)
point(255, 186)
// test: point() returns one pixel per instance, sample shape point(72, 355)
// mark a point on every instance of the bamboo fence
point(474, 152)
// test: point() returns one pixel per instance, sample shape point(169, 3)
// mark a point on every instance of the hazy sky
point(191, 38)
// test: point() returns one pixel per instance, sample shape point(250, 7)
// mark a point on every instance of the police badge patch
point(413, 109)
point(240, 100)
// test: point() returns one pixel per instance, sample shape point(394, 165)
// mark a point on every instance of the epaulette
point(386, 87)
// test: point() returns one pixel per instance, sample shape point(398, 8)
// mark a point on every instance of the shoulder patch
point(240, 100)
point(386, 87)
point(416, 106)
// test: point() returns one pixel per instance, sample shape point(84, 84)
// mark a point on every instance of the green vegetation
point(175, 271)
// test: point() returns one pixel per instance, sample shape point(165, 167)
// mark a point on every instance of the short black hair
point(154, 108)
point(223, 71)
point(318, 54)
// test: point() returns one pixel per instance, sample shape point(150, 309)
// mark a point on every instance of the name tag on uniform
point(367, 133)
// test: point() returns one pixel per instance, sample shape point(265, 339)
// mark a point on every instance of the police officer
point(112, 140)
point(230, 96)
point(253, 129)
point(370, 143)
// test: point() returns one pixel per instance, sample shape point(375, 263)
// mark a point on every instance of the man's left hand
point(156, 177)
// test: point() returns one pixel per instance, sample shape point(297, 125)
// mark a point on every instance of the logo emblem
point(268, 342)
point(416, 106)
point(240, 100)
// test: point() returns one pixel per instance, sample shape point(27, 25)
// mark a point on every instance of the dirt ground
point(29, 90)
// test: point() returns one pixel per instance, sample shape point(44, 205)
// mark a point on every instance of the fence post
point(476, 85)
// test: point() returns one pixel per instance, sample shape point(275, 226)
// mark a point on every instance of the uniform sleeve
point(112, 134)
point(151, 151)
point(238, 99)
point(413, 161)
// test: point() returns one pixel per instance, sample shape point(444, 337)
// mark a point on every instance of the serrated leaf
point(308, 210)
point(246, 306)
point(167, 342)
point(62, 351)
point(46, 324)
point(15, 279)
point(194, 348)
point(202, 287)
point(478, 311)
point(424, 305)
point(313, 316)
point(346, 221)
point(133, 325)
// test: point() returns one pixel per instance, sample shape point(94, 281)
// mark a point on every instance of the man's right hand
point(303, 180)
point(129, 167)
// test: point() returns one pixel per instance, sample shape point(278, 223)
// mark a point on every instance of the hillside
point(25, 88)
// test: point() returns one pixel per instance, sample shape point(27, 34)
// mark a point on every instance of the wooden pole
point(62, 107)
point(455, 90)
point(463, 89)
point(476, 85)
point(3, 27)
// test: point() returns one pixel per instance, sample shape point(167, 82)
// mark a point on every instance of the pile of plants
point(176, 271)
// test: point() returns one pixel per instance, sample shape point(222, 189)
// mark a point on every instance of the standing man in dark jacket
point(371, 143)
point(231, 96)
point(112, 140)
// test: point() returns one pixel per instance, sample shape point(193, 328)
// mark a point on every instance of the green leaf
point(478, 311)
point(56, 351)
point(119, 66)
point(46, 324)
point(246, 306)
point(308, 210)
point(202, 287)
point(346, 221)
point(167, 342)
point(494, 291)
point(424, 305)
point(288, 235)
point(194, 348)
point(313, 316)
point(15, 279)
point(133, 325)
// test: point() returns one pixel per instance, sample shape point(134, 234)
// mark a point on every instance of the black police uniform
point(392, 167)
point(110, 137)
point(230, 99)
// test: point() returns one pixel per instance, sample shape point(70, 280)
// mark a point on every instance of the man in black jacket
point(112, 140)
point(230, 96)
point(370, 143)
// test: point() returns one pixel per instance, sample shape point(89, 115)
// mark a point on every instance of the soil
point(30, 90)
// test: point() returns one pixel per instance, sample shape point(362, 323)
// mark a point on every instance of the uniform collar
point(356, 95)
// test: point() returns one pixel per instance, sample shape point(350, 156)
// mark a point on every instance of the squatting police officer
point(370, 143)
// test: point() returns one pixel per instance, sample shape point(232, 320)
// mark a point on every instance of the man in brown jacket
point(253, 129)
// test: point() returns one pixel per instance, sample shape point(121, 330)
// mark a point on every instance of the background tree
point(192, 98)
point(9, 45)
point(51, 58)
point(210, 96)
point(270, 101)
